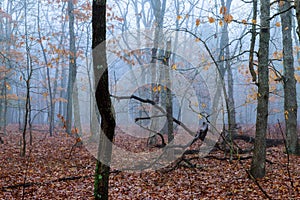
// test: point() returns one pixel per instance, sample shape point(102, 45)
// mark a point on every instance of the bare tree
point(29, 71)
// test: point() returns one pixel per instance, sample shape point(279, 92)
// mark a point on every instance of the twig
point(279, 13)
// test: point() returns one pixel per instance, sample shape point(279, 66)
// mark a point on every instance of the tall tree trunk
point(156, 6)
point(259, 154)
point(8, 46)
point(28, 85)
point(72, 67)
point(223, 65)
point(57, 72)
point(290, 95)
point(51, 111)
point(103, 100)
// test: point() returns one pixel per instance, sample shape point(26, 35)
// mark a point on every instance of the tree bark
point(290, 95)
point(259, 154)
point(297, 7)
point(169, 102)
point(103, 100)
point(72, 67)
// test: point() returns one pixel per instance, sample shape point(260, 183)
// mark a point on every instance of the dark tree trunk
point(259, 154)
point(290, 95)
point(103, 100)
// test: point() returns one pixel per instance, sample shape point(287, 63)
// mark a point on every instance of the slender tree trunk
point(258, 164)
point(253, 39)
point(51, 111)
point(169, 102)
point(63, 93)
point(94, 125)
point(8, 47)
point(224, 64)
point(29, 75)
point(103, 100)
point(77, 120)
point(72, 67)
point(290, 95)
point(231, 104)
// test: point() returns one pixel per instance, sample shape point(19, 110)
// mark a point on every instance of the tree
point(103, 100)
point(29, 71)
point(259, 154)
point(290, 97)
point(226, 65)
point(51, 112)
point(72, 66)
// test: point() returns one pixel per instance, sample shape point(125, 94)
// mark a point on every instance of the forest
point(149, 99)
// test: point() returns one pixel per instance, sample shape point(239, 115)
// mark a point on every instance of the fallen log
point(250, 139)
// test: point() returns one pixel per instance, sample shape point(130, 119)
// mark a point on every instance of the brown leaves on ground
point(49, 173)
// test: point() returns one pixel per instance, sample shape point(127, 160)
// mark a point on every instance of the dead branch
point(29, 184)
point(149, 101)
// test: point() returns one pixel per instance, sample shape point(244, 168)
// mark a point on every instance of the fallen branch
point(29, 184)
point(249, 139)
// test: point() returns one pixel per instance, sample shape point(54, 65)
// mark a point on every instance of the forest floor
point(50, 171)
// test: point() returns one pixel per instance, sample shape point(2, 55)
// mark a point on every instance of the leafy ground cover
point(50, 171)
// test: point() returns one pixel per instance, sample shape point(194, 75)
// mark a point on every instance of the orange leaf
point(211, 20)
point(228, 18)
point(7, 86)
point(154, 89)
point(78, 139)
point(221, 23)
point(179, 17)
point(223, 10)
point(159, 88)
point(278, 24)
point(197, 22)
point(45, 94)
